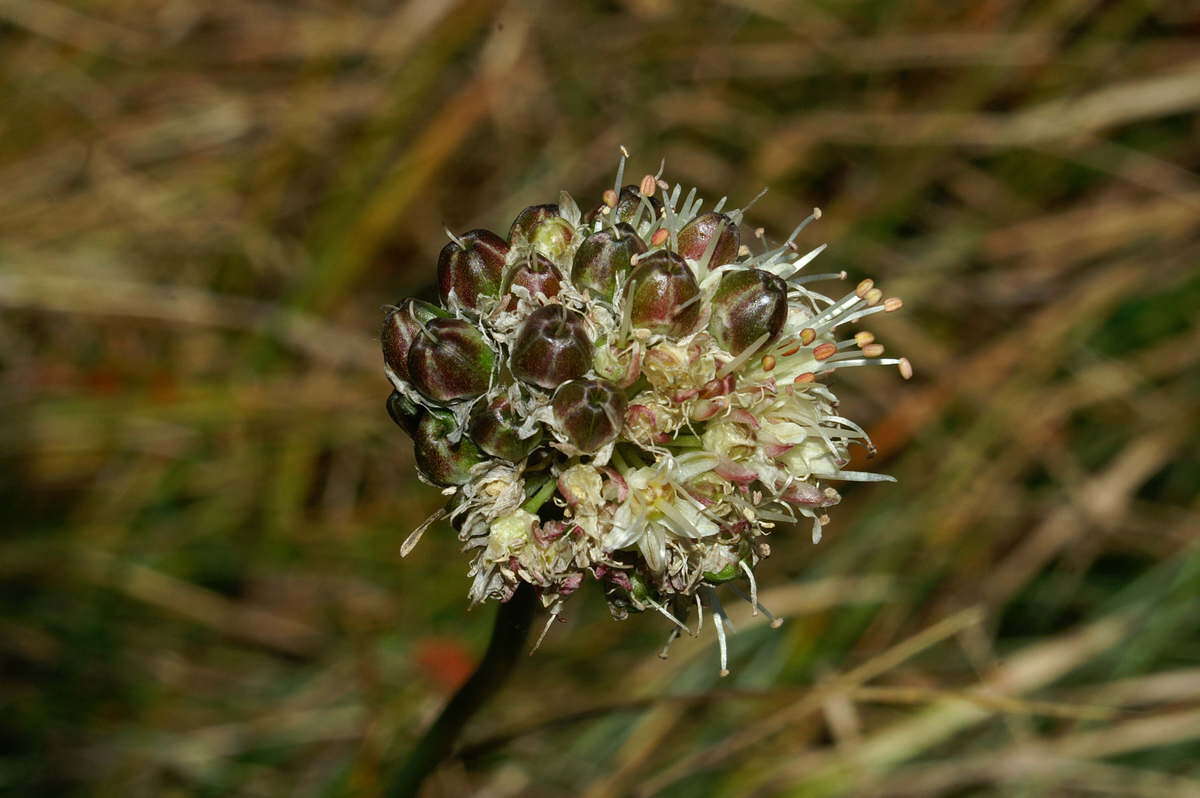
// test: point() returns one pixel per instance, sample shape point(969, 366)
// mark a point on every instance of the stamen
point(719, 620)
point(824, 351)
point(774, 620)
point(610, 198)
point(863, 287)
point(906, 369)
point(553, 616)
point(659, 237)
point(863, 338)
point(667, 614)
point(812, 217)
point(746, 354)
point(454, 238)
point(753, 586)
point(414, 537)
point(664, 652)
point(892, 304)
point(873, 350)
point(768, 362)
point(807, 336)
point(648, 185)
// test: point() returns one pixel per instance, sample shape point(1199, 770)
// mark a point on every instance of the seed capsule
point(747, 305)
point(534, 273)
point(403, 411)
point(603, 257)
point(663, 295)
point(473, 270)
point(552, 347)
point(493, 426)
point(400, 328)
point(441, 461)
point(695, 236)
point(450, 360)
point(590, 412)
point(544, 229)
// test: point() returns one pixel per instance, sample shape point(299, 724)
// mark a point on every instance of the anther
point(873, 350)
point(648, 185)
point(892, 303)
point(807, 335)
point(873, 296)
point(610, 198)
point(824, 351)
point(905, 367)
point(863, 287)
point(807, 376)
point(659, 237)
point(863, 338)
point(768, 363)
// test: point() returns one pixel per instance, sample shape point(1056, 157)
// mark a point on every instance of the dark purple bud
point(663, 295)
point(401, 326)
point(473, 270)
point(544, 229)
point(629, 208)
point(451, 360)
point(695, 236)
point(552, 347)
point(403, 411)
point(748, 304)
point(441, 460)
point(535, 273)
point(603, 257)
point(590, 412)
point(493, 426)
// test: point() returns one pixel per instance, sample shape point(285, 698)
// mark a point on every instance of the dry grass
point(204, 208)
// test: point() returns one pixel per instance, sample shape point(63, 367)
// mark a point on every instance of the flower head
point(629, 396)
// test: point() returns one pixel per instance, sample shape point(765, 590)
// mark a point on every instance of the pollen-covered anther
point(824, 351)
point(906, 369)
point(892, 304)
point(863, 287)
point(647, 186)
point(863, 338)
point(807, 376)
point(807, 336)
point(609, 198)
point(768, 363)
point(873, 296)
point(873, 350)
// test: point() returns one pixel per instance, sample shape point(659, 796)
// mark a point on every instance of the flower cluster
point(629, 395)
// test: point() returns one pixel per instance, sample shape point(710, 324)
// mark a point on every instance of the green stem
point(509, 633)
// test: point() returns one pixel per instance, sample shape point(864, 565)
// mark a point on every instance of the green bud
point(663, 295)
point(535, 273)
point(747, 305)
point(401, 326)
point(450, 360)
point(403, 411)
point(695, 236)
point(603, 257)
point(551, 348)
point(590, 412)
point(441, 461)
point(493, 426)
point(473, 270)
point(544, 229)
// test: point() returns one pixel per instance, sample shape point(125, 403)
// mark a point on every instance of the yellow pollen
point(807, 335)
point(873, 296)
point(863, 338)
point(864, 287)
point(743, 250)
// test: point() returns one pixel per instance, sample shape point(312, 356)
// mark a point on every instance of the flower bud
point(589, 412)
point(696, 235)
point(493, 426)
point(400, 328)
point(629, 205)
point(552, 347)
point(663, 295)
point(442, 461)
point(603, 257)
point(534, 273)
point(450, 360)
point(544, 229)
point(473, 270)
point(747, 305)
point(403, 411)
